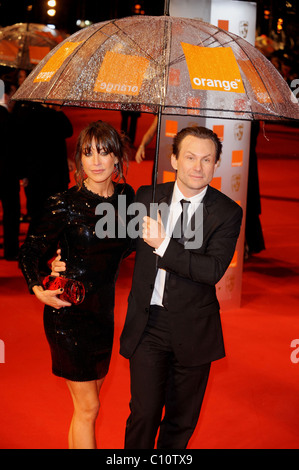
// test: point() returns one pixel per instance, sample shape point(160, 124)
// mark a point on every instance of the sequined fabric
point(81, 336)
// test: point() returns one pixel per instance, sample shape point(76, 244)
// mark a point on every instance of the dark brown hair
point(106, 137)
point(201, 133)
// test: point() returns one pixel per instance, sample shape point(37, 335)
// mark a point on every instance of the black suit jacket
point(195, 319)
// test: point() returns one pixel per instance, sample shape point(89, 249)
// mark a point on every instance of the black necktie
point(178, 233)
point(181, 223)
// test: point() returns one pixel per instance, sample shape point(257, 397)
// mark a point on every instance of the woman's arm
point(147, 138)
point(43, 235)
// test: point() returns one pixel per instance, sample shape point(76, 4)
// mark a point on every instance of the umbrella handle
point(155, 170)
point(166, 7)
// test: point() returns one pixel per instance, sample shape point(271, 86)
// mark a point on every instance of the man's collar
point(178, 195)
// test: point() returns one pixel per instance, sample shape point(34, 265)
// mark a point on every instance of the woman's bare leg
point(86, 402)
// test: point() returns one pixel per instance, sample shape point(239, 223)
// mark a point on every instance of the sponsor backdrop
point(231, 176)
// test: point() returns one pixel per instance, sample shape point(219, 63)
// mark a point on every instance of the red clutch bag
point(73, 291)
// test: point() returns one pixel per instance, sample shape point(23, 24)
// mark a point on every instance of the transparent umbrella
point(23, 45)
point(162, 65)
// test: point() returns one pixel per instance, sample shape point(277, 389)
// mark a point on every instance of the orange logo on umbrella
point(121, 74)
point(213, 68)
point(37, 53)
point(8, 50)
point(55, 62)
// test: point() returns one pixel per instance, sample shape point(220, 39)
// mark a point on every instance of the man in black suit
point(173, 331)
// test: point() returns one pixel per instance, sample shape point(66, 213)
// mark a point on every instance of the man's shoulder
point(214, 196)
point(146, 191)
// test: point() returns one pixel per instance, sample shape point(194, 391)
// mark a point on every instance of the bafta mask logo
point(236, 182)
point(243, 29)
point(238, 131)
point(230, 283)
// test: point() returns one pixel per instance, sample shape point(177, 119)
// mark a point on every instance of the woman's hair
point(201, 133)
point(107, 138)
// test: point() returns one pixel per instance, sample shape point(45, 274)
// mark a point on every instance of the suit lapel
point(198, 218)
point(164, 202)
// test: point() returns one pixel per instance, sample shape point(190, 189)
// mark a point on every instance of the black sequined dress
point(80, 336)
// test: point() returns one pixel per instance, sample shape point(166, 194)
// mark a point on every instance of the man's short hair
point(201, 133)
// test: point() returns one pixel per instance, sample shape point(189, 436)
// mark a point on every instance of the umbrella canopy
point(23, 45)
point(177, 65)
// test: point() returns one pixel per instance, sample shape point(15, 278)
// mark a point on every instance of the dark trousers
point(10, 198)
point(157, 381)
point(129, 129)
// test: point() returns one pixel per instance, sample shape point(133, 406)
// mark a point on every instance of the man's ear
point(173, 161)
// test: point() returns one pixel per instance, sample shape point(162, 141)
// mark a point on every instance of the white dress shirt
point(174, 213)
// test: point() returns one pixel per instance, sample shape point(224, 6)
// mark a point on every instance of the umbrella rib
point(149, 105)
point(135, 43)
point(167, 54)
point(144, 51)
point(258, 73)
point(181, 57)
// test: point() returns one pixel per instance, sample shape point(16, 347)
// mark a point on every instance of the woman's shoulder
point(62, 199)
point(125, 189)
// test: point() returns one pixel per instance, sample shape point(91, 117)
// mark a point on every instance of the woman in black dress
point(81, 336)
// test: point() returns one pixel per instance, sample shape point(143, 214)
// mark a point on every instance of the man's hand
point(49, 297)
point(153, 232)
point(57, 266)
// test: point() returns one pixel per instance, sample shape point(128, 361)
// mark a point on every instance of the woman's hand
point(57, 266)
point(50, 297)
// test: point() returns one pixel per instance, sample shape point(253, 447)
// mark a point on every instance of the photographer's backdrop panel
point(231, 176)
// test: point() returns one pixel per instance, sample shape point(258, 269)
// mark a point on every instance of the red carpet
point(252, 401)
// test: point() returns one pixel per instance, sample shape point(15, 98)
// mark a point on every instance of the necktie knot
point(184, 215)
point(184, 204)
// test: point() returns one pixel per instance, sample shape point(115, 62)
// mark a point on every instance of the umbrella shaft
point(166, 7)
point(155, 171)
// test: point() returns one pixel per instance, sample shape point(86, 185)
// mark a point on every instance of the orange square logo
point(223, 24)
point(237, 157)
point(219, 131)
point(37, 53)
point(8, 50)
point(192, 104)
point(213, 68)
point(121, 74)
point(216, 183)
point(255, 81)
point(55, 62)
point(171, 128)
point(174, 77)
point(168, 176)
